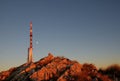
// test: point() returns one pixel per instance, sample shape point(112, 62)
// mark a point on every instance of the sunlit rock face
point(5, 74)
point(53, 68)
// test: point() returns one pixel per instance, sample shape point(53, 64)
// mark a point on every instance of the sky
point(84, 30)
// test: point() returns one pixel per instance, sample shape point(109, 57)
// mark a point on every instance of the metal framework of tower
point(30, 49)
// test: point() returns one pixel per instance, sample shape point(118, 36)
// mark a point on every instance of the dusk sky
point(84, 30)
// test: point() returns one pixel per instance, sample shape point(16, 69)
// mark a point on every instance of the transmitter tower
point(30, 49)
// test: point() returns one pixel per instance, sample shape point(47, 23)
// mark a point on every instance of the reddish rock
point(53, 68)
point(5, 74)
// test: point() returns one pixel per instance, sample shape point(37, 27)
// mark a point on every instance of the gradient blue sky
point(82, 30)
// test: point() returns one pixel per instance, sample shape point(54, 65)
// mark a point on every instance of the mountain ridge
point(52, 68)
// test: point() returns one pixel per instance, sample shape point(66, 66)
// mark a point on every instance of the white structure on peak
point(30, 49)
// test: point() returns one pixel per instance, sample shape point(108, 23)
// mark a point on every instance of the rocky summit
point(53, 68)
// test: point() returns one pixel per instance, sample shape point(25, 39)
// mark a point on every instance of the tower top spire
point(30, 23)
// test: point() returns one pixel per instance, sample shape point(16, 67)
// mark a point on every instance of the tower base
point(30, 57)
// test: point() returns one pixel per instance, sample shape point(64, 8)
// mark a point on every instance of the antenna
point(30, 49)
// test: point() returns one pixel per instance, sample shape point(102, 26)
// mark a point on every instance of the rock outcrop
point(53, 68)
